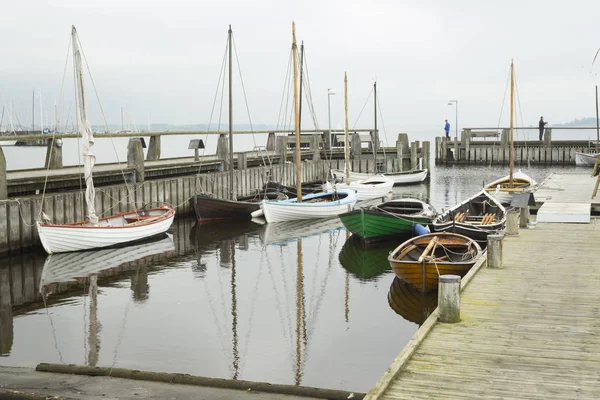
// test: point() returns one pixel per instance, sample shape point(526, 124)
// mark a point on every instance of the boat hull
point(372, 225)
point(111, 231)
point(458, 254)
point(474, 207)
point(207, 207)
point(585, 159)
point(502, 191)
point(372, 188)
point(408, 177)
point(290, 210)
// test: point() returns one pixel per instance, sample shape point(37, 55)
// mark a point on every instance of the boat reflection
point(280, 233)
point(367, 262)
point(410, 303)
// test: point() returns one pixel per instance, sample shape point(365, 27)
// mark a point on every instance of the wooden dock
point(528, 331)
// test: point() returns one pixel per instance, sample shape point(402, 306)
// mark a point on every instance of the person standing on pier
point(447, 130)
point(542, 125)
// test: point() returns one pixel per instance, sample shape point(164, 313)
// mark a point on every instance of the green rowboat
point(390, 218)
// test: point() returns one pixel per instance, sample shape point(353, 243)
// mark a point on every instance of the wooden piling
point(135, 159)
point(494, 251)
point(153, 148)
point(512, 222)
point(449, 299)
point(3, 179)
point(54, 159)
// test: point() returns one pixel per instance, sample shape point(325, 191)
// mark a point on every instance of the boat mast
point(346, 147)
point(33, 111)
point(375, 137)
point(597, 124)
point(296, 115)
point(512, 120)
point(85, 130)
point(231, 176)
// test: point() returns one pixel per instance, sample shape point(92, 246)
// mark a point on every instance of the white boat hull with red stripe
point(110, 231)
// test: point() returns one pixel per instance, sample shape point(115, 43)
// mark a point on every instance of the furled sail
point(85, 130)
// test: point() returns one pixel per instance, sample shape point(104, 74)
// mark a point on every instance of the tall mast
point(33, 111)
point(85, 130)
point(296, 115)
point(231, 186)
point(346, 147)
point(512, 119)
point(597, 124)
point(375, 137)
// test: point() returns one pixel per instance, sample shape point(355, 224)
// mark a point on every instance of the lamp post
point(330, 92)
point(450, 102)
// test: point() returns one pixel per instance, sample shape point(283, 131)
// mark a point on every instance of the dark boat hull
point(207, 207)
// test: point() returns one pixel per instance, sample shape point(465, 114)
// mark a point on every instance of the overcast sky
point(160, 60)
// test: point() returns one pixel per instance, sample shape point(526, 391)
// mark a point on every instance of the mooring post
point(271, 141)
point(456, 150)
point(414, 159)
point(281, 148)
point(54, 154)
point(524, 220)
point(438, 150)
point(153, 148)
point(223, 152)
point(444, 151)
point(512, 221)
point(426, 154)
point(449, 298)
point(402, 150)
point(242, 160)
point(314, 146)
point(494, 251)
point(135, 159)
point(3, 177)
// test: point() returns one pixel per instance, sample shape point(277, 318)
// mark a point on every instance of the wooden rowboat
point(421, 260)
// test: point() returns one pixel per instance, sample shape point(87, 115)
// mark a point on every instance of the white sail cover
point(85, 130)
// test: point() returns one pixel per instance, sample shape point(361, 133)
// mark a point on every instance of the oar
point(428, 249)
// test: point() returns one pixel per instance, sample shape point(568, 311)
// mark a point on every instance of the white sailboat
point(370, 188)
point(99, 232)
point(315, 205)
point(503, 189)
point(399, 178)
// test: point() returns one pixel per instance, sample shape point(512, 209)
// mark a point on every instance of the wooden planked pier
point(528, 330)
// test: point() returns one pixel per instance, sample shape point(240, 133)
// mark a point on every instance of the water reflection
point(366, 263)
point(410, 303)
point(6, 315)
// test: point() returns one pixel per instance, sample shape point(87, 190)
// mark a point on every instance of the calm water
point(293, 303)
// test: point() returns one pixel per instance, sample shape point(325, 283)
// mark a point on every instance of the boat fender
point(419, 230)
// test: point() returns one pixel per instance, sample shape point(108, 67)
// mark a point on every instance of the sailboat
point(519, 182)
point(399, 178)
point(371, 187)
point(97, 232)
point(315, 205)
point(207, 205)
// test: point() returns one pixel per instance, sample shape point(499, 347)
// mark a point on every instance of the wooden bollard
point(449, 298)
point(512, 222)
point(494, 251)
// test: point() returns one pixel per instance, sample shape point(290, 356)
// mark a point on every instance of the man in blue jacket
point(447, 129)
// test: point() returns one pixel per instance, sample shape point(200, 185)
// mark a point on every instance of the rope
point(246, 101)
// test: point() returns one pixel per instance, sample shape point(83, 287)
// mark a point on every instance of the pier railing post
point(223, 152)
point(494, 251)
point(281, 148)
point(449, 298)
point(314, 146)
point(54, 159)
point(414, 160)
point(3, 177)
point(153, 148)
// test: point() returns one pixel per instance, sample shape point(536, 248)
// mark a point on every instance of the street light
point(330, 92)
point(450, 102)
